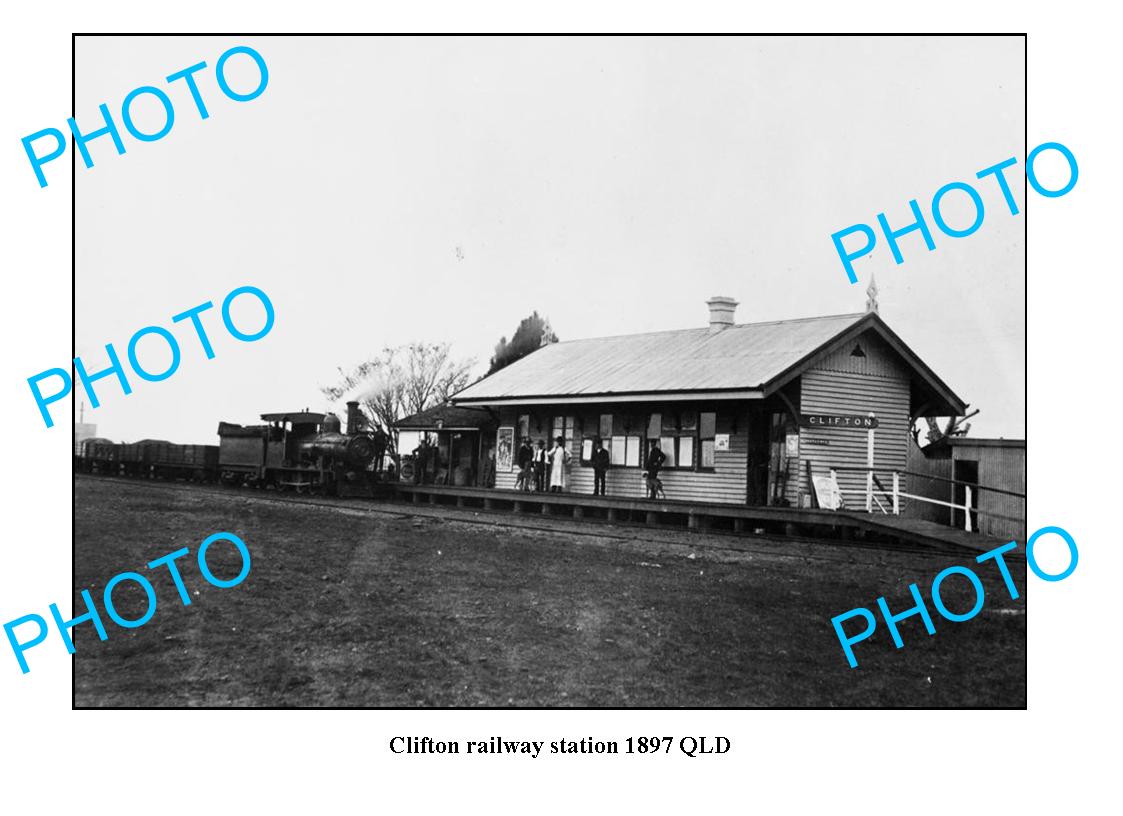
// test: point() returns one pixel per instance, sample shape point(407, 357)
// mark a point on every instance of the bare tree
point(401, 381)
point(432, 375)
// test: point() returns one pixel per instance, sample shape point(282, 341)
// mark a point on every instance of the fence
point(878, 497)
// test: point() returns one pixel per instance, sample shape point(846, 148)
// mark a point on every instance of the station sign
point(838, 421)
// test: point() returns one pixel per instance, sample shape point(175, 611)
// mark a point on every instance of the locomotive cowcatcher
point(301, 450)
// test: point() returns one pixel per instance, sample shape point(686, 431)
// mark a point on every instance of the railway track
point(710, 540)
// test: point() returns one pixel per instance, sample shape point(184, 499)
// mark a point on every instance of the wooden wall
point(1003, 467)
point(939, 467)
point(845, 384)
point(725, 483)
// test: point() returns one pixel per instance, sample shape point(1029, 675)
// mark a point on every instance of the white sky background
point(611, 184)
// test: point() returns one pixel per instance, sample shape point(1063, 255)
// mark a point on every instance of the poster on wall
point(721, 442)
point(505, 450)
point(791, 445)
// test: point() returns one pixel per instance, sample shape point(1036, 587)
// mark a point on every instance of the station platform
point(839, 525)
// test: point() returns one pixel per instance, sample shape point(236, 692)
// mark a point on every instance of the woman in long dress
point(559, 458)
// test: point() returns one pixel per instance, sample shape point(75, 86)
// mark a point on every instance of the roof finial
point(871, 301)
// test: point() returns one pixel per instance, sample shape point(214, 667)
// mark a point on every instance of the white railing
point(870, 497)
point(965, 507)
point(892, 503)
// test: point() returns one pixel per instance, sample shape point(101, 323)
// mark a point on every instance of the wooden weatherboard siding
point(1002, 466)
point(724, 483)
point(937, 487)
point(846, 384)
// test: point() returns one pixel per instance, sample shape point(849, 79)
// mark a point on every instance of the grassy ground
point(347, 608)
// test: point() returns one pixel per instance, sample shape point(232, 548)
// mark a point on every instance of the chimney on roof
point(721, 312)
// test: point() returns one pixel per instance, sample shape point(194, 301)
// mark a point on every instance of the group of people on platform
point(539, 468)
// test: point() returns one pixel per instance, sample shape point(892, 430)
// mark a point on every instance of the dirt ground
point(344, 607)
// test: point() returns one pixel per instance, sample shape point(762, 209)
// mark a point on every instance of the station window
point(678, 432)
point(625, 444)
point(707, 430)
point(625, 450)
point(565, 427)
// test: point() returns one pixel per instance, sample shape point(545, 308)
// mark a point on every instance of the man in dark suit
point(654, 463)
point(600, 462)
point(523, 460)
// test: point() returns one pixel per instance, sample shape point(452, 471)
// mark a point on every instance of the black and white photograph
point(487, 406)
point(528, 372)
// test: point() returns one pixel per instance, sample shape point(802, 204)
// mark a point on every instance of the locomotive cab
point(286, 433)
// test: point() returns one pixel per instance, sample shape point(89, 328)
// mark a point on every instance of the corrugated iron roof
point(452, 417)
point(977, 442)
point(739, 357)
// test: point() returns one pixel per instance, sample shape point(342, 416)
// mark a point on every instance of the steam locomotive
point(300, 451)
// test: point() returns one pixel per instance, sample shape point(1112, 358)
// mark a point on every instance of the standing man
point(600, 461)
point(419, 461)
point(654, 463)
point(540, 467)
point(524, 460)
point(487, 477)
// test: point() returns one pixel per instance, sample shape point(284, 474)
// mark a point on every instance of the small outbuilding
point(449, 445)
point(989, 475)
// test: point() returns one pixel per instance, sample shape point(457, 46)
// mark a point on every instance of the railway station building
point(745, 413)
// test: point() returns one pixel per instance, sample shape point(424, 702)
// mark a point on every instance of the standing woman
point(559, 458)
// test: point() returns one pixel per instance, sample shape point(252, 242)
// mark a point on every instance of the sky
point(389, 190)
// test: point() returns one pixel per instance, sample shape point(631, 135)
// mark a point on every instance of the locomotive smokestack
point(354, 418)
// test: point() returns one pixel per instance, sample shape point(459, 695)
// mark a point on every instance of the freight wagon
point(149, 458)
point(99, 455)
point(159, 459)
